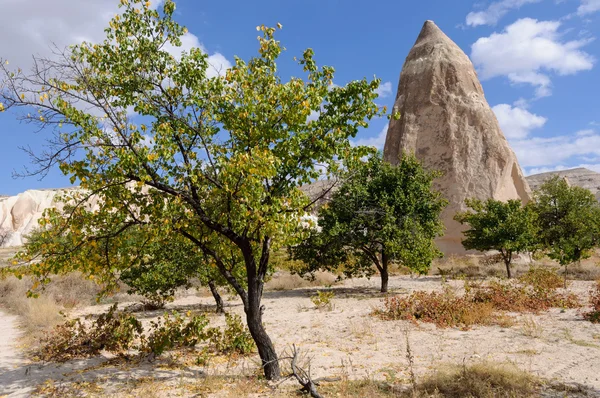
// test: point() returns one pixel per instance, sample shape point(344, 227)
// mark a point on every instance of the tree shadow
point(24, 379)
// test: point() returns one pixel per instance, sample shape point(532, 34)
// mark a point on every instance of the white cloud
point(384, 90)
point(588, 7)
point(495, 11)
point(517, 122)
point(551, 151)
point(33, 26)
point(527, 51)
point(378, 141)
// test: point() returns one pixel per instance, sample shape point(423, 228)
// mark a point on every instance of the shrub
point(322, 300)
point(519, 298)
point(445, 309)
point(594, 315)
point(111, 332)
point(475, 307)
point(235, 339)
point(542, 279)
point(175, 331)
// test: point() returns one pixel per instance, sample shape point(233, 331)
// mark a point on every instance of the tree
point(569, 221)
point(508, 227)
point(380, 213)
point(217, 160)
point(151, 265)
point(5, 235)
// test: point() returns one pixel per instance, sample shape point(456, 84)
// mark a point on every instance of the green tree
point(151, 265)
point(569, 221)
point(217, 160)
point(380, 213)
point(508, 227)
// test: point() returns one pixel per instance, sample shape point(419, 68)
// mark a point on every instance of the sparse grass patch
point(284, 280)
point(531, 328)
point(481, 380)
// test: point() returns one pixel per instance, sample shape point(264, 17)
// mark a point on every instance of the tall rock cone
point(447, 123)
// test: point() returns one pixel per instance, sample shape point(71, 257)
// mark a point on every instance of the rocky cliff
point(19, 214)
point(580, 177)
point(447, 123)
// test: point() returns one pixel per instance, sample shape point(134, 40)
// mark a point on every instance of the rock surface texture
point(447, 123)
point(580, 177)
point(19, 214)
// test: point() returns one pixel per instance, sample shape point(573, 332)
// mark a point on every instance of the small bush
point(594, 315)
point(175, 331)
point(445, 309)
point(322, 300)
point(111, 332)
point(476, 307)
point(235, 339)
point(542, 279)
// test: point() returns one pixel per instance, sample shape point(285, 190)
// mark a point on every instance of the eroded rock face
point(579, 177)
point(19, 214)
point(447, 123)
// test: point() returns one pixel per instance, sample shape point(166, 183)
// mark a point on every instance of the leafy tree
point(569, 221)
point(216, 160)
point(380, 213)
point(508, 227)
point(152, 265)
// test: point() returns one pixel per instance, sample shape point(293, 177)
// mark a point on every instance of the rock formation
point(447, 123)
point(19, 214)
point(579, 177)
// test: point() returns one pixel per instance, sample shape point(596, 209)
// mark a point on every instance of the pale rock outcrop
point(447, 123)
point(19, 214)
point(579, 177)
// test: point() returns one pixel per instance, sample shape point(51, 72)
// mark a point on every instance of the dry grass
point(284, 280)
point(482, 266)
point(531, 328)
point(41, 314)
point(482, 380)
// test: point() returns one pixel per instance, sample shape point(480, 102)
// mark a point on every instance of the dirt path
point(11, 360)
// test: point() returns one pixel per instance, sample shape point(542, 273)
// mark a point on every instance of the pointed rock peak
point(429, 32)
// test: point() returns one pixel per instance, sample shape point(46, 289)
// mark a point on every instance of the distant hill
point(580, 177)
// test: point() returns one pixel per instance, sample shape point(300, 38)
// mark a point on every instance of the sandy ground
point(348, 341)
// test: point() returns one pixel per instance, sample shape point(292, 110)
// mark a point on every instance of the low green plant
point(542, 279)
point(322, 299)
point(234, 339)
point(112, 331)
point(175, 331)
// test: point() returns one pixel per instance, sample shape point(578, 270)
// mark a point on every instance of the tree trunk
point(385, 276)
point(507, 257)
point(566, 269)
point(217, 296)
point(266, 350)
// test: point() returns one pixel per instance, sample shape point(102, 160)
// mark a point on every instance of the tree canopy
point(155, 141)
point(380, 213)
point(508, 227)
point(569, 221)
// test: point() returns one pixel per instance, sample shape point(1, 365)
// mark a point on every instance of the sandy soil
point(347, 340)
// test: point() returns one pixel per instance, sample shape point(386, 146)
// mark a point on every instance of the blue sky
point(537, 59)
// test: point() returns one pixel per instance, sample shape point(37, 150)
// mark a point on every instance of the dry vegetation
point(346, 334)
